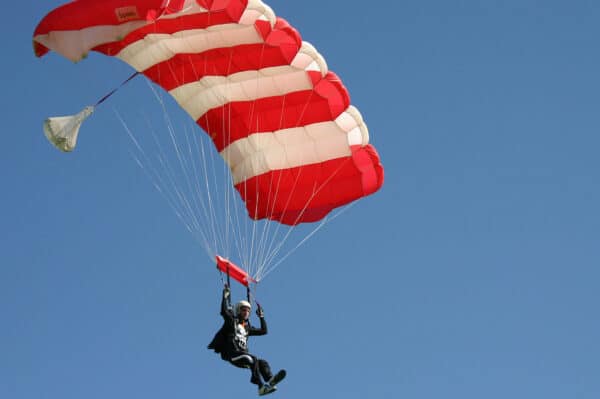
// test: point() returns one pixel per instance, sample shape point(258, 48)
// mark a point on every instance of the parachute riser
point(249, 295)
point(229, 287)
point(238, 274)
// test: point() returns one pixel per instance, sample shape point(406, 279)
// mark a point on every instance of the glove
point(259, 311)
point(226, 292)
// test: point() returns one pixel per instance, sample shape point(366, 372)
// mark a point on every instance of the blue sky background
point(473, 273)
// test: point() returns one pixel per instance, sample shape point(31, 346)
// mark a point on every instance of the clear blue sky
point(473, 273)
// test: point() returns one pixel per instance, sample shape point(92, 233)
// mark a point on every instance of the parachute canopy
point(280, 119)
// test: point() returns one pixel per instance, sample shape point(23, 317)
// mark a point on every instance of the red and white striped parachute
point(275, 113)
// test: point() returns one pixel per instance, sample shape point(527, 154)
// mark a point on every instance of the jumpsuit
point(231, 342)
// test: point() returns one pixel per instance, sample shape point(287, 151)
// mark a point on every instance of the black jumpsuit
point(231, 341)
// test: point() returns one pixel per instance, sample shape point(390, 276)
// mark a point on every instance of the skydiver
point(231, 342)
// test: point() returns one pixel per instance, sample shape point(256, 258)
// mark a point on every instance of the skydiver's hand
point(226, 292)
point(259, 311)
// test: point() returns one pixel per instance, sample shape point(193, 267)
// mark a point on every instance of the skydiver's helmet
point(240, 305)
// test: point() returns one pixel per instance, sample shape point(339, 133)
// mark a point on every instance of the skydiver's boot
point(266, 389)
point(273, 381)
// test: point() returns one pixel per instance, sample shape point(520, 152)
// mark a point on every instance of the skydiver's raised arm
point(263, 323)
point(225, 311)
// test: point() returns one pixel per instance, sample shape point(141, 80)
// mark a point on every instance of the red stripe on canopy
point(308, 193)
point(236, 120)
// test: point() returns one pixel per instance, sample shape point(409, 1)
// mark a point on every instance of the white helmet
point(242, 304)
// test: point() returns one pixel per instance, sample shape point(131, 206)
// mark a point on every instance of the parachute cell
point(280, 119)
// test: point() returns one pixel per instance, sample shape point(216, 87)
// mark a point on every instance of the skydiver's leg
point(246, 360)
point(265, 369)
